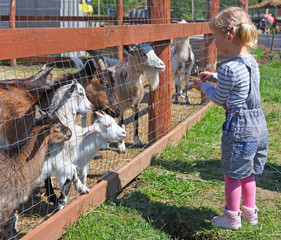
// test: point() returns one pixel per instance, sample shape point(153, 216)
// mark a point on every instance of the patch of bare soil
point(268, 55)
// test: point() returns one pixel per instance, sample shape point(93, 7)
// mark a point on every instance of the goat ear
point(103, 113)
point(72, 88)
point(95, 128)
point(99, 114)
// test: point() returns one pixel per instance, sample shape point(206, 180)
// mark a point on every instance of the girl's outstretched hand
point(197, 84)
point(206, 76)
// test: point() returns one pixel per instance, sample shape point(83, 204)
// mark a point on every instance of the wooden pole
point(119, 21)
point(243, 4)
point(210, 52)
point(160, 100)
point(13, 62)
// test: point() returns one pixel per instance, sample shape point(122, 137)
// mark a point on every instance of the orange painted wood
point(210, 52)
point(54, 227)
point(41, 41)
point(160, 100)
point(13, 3)
point(74, 18)
point(119, 21)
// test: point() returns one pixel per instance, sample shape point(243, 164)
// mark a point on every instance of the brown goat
point(21, 167)
point(99, 87)
point(18, 100)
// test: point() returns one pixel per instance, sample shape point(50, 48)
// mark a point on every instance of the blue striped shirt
point(233, 83)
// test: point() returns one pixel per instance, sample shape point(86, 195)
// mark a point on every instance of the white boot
point(250, 214)
point(229, 220)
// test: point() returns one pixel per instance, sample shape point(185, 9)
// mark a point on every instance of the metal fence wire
point(69, 118)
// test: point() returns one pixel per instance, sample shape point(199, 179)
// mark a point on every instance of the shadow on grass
point(211, 170)
point(208, 169)
point(178, 222)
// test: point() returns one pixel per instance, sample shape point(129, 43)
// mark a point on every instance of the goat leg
point(177, 95)
point(10, 229)
point(137, 140)
point(64, 193)
point(121, 144)
point(52, 197)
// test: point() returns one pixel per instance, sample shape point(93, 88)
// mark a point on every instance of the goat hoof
point(60, 206)
point(188, 102)
point(182, 96)
point(84, 190)
point(121, 147)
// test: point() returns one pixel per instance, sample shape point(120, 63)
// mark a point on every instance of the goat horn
point(98, 59)
point(103, 113)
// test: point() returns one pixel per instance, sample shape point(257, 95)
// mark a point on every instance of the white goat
point(69, 100)
point(182, 63)
point(81, 149)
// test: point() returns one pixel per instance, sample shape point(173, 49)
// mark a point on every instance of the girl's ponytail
point(248, 34)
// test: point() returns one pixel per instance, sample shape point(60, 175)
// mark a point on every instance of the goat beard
point(153, 79)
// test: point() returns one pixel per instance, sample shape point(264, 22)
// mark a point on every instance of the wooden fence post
point(243, 4)
point(210, 52)
point(119, 21)
point(160, 100)
point(13, 62)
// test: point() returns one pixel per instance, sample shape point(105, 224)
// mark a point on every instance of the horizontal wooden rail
point(6, 18)
point(17, 43)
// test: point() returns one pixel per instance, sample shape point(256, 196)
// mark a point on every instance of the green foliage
point(259, 52)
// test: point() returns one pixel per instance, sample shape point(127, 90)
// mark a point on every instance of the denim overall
point(245, 136)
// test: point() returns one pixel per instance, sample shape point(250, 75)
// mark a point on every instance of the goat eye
point(108, 125)
point(81, 94)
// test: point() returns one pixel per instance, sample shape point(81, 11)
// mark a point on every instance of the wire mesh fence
point(103, 96)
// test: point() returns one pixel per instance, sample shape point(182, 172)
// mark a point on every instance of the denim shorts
point(244, 143)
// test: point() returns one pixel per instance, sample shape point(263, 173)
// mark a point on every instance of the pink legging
point(233, 192)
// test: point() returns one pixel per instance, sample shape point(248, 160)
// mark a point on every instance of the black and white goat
point(69, 100)
point(182, 63)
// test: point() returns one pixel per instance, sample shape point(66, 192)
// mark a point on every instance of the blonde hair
point(236, 21)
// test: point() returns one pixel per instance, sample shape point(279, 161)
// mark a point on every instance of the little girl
point(245, 137)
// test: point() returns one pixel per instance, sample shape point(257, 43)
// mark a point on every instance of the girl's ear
point(229, 37)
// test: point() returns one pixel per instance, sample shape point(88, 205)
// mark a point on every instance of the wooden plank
point(210, 51)
point(119, 21)
point(54, 227)
point(42, 41)
point(13, 3)
point(74, 18)
point(160, 100)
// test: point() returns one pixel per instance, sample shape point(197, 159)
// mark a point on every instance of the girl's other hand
point(197, 84)
point(206, 76)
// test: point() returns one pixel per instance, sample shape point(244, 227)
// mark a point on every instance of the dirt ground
point(37, 209)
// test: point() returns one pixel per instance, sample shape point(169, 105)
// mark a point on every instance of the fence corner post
point(210, 52)
point(160, 100)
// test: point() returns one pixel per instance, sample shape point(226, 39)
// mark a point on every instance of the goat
point(21, 165)
point(18, 101)
point(98, 84)
point(182, 63)
point(128, 79)
point(69, 100)
point(81, 149)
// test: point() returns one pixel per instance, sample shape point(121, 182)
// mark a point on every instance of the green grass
point(176, 197)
